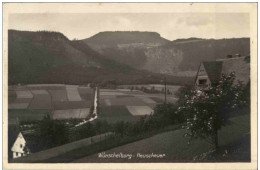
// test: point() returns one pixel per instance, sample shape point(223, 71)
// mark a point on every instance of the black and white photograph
point(93, 83)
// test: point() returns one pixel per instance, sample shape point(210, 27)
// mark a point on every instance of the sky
point(169, 25)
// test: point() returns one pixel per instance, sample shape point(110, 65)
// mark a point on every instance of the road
point(94, 110)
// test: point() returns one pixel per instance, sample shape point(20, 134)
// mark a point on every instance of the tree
point(206, 111)
point(120, 128)
point(51, 133)
point(166, 114)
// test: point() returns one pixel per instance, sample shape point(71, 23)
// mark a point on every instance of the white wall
point(18, 146)
point(202, 74)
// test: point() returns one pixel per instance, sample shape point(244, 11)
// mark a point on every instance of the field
point(235, 138)
point(126, 105)
point(71, 101)
point(159, 87)
point(114, 114)
point(32, 102)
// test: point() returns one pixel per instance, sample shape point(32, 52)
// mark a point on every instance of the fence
point(53, 152)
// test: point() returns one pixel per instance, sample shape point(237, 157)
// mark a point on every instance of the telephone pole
point(165, 90)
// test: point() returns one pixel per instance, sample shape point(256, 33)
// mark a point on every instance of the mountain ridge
point(179, 57)
point(50, 57)
point(121, 37)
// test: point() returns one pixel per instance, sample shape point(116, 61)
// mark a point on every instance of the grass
point(71, 105)
point(36, 92)
point(11, 96)
point(239, 125)
point(131, 101)
point(169, 141)
point(46, 87)
point(58, 95)
point(158, 99)
point(26, 114)
point(113, 114)
point(41, 101)
point(86, 94)
point(235, 138)
point(101, 146)
point(18, 105)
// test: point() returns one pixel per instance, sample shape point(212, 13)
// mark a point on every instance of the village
point(97, 116)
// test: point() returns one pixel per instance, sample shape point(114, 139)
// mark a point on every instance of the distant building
point(23, 144)
point(210, 72)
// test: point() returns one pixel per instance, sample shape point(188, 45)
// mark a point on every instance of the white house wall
point(20, 141)
point(202, 74)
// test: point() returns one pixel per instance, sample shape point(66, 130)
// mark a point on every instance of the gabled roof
point(239, 65)
point(213, 69)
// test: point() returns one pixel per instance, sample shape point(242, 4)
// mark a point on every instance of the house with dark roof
point(210, 72)
point(24, 144)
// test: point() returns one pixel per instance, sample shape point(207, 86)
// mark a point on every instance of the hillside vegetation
point(125, 37)
point(148, 51)
point(50, 57)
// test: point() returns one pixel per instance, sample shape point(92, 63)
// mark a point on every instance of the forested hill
point(149, 51)
point(110, 38)
point(50, 57)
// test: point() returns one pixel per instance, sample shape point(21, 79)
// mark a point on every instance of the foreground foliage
point(206, 111)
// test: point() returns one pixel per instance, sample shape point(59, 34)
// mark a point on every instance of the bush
point(206, 111)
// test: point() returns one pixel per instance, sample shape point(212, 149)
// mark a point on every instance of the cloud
point(170, 25)
point(195, 20)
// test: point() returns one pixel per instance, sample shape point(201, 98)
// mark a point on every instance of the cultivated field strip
point(58, 95)
point(41, 101)
point(22, 100)
point(35, 92)
point(114, 114)
point(86, 93)
point(73, 94)
point(71, 105)
point(107, 102)
point(132, 101)
point(140, 110)
point(18, 105)
point(28, 102)
point(107, 96)
point(146, 99)
point(102, 93)
point(26, 114)
point(46, 87)
point(24, 94)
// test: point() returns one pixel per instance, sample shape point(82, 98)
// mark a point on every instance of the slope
point(155, 54)
point(50, 57)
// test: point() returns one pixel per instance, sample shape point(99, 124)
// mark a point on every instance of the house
point(24, 144)
point(210, 72)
